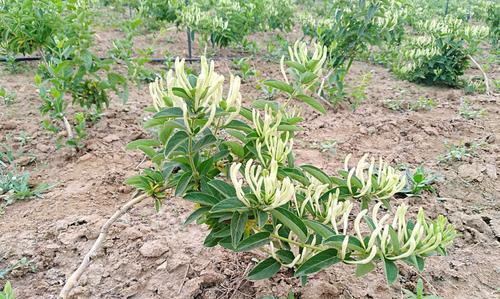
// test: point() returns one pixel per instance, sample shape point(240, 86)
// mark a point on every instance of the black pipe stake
point(151, 60)
point(188, 32)
point(446, 8)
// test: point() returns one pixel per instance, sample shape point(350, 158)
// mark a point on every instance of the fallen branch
point(73, 279)
point(486, 81)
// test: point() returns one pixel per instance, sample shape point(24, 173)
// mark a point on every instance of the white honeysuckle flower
point(278, 147)
point(270, 192)
point(234, 98)
point(268, 125)
point(389, 180)
point(425, 236)
point(299, 53)
point(207, 93)
point(282, 69)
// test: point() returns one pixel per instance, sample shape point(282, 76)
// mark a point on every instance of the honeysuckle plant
point(237, 165)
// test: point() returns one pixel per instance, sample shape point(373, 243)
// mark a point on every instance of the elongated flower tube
point(269, 192)
point(388, 180)
point(278, 147)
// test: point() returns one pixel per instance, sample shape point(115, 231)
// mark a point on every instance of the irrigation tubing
point(151, 60)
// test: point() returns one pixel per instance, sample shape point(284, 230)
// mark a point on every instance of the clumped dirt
point(152, 255)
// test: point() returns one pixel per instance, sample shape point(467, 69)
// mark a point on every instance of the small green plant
point(7, 292)
point(418, 181)
point(358, 92)
point(419, 292)
point(20, 263)
point(458, 152)
point(8, 97)
point(326, 146)
point(395, 105)
point(468, 112)
point(245, 70)
point(15, 185)
point(474, 85)
point(422, 103)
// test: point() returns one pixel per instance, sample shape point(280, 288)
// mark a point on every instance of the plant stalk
point(75, 276)
point(486, 80)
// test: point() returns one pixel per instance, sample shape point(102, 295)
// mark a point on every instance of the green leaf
point(318, 262)
point(262, 104)
point(201, 198)
point(299, 67)
point(181, 92)
point(254, 241)
point(232, 204)
point(323, 230)
point(196, 214)
point(174, 142)
point(391, 271)
point(223, 188)
point(311, 102)
point(317, 173)
point(307, 78)
point(285, 256)
point(363, 269)
point(420, 263)
point(394, 239)
point(246, 113)
point(295, 174)
point(149, 151)
point(182, 184)
point(289, 128)
point(236, 148)
point(238, 223)
point(172, 112)
point(204, 142)
point(142, 142)
point(291, 221)
point(265, 269)
point(280, 85)
point(337, 241)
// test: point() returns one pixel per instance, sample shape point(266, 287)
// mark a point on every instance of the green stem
point(196, 175)
point(295, 242)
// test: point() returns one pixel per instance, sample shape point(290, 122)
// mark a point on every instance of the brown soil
point(151, 255)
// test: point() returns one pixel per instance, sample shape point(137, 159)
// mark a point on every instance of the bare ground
point(151, 255)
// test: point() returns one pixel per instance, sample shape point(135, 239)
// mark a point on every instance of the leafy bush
point(439, 54)
point(242, 177)
point(225, 22)
point(348, 28)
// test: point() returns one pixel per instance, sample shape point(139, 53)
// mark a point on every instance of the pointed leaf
point(265, 269)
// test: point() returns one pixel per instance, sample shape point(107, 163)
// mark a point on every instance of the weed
point(422, 103)
point(20, 263)
point(245, 70)
point(8, 97)
point(458, 152)
point(358, 92)
point(468, 112)
point(418, 181)
point(474, 85)
point(15, 185)
point(419, 292)
point(395, 105)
